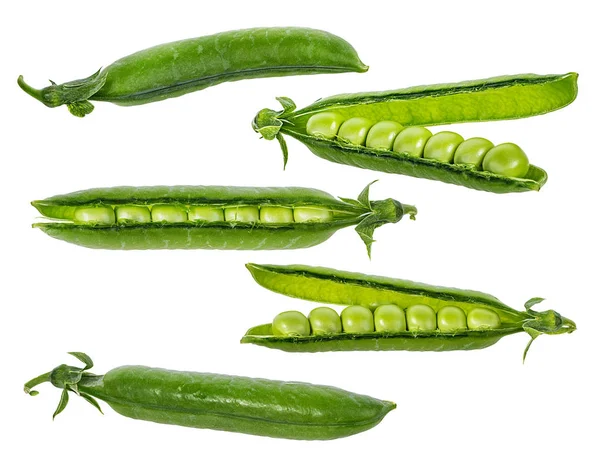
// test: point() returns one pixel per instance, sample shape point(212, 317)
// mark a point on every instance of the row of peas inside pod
point(177, 213)
point(506, 159)
point(387, 318)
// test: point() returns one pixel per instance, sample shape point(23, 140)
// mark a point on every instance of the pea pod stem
point(291, 410)
point(500, 98)
point(325, 285)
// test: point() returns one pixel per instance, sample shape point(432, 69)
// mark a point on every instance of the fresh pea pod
point(211, 217)
point(382, 130)
point(176, 68)
point(484, 321)
point(270, 408)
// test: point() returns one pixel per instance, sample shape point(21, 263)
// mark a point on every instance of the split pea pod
point(392, 314)
point(211, 217)
point(384, 131)
point(270, 408)
point(177, 68)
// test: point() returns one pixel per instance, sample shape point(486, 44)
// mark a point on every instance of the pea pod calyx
point(324, 285)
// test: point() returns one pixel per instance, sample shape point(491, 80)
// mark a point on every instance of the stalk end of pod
point(73, 94)
point(67, 378)
point(547, 322)
point(268, 124)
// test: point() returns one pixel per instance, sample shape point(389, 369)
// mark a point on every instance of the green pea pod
point(211, 217)
point(500, 98)
point(325, 285)
point(176, 68)
point(270, 408)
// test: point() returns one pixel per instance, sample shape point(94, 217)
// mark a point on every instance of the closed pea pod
point(465, 319)
point(270, 408)
point(211, 217)
point(177, 68)
point(504, 97)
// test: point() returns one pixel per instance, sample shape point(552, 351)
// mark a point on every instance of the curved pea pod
point(270, 408)
point(211, 217)
point(177, 68)
point(326, 285)
point(500, 98)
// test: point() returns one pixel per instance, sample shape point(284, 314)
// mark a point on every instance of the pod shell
point(324, 285)
point(270, 408)
point(405, 164)
point(177, 68)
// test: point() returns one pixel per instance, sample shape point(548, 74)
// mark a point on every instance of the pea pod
point(320, 126)
point(489, 319)
point(177, 68)
point(211, 217)
point(270, 408)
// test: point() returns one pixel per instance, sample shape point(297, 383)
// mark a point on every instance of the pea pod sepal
point(325, 285)
point(67, 378)
point(73, 94)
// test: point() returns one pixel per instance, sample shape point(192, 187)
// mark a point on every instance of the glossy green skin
point(203, 235)
point(269, 408)
point(177, 68)
point(325, 285)
point(505, 97)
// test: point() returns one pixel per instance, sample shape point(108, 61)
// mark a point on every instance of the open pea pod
point(484, 319)
point(211, 217)
point(342, 129)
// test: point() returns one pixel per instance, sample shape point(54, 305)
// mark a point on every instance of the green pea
point(482, 319)
point(245, 214)
point(357, 319)
point(291, 323)
point(269, 214)
point(132, 214)
point(451, 319)
point(420, 318)
point(325, 125)
point(324, 320)
point(412, 141)
point(94, 215)
point(441, 146)
point(312, 214)
point(382, 135)
point(200, 213)
point(472, 151)
point(389, 318)
point(169, 213)
point(507, 159)
point(355, 130)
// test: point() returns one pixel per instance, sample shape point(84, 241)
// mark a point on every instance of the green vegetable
point(211, 217)
point(269, 408)
point(488, 319)
point(505, 97)
point(176, 68)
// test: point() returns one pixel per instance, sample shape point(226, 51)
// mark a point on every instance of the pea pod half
point(270, 408)
point(176, 68)
point(374, 130)
point(211, 217)
point(485, 319)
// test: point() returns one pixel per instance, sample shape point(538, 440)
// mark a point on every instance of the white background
point(188, 309)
